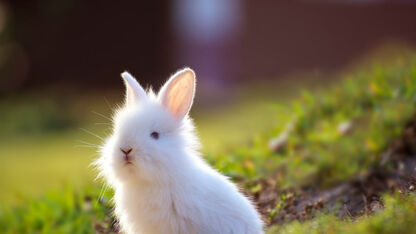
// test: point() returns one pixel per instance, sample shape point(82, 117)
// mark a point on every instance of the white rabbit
point(161, 183)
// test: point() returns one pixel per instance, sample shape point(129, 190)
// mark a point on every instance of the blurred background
point(86, 45)
point(60, 62)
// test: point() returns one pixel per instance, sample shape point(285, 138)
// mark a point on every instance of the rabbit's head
point(151, 132)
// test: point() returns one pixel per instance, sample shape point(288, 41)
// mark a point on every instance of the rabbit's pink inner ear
point(178, 96)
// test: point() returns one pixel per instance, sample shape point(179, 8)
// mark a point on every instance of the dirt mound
point(353, 198)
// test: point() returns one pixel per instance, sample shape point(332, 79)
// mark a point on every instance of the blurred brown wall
point(88, 43)
point(76, 41)
point(287, 36)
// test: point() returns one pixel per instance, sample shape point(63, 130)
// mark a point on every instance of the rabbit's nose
point(126, 151)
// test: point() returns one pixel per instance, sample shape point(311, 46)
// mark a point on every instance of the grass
point(71, 211)
point(331, 137)
point(33, 166)
point(376, 105)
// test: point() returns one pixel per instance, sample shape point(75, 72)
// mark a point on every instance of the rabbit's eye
point(154, 135)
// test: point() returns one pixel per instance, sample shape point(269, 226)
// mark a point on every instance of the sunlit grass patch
point(71, 211)
point(36, 165)
point(336, 134)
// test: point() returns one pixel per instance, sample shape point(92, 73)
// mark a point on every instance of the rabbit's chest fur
point(149, 210)
point(211, 206)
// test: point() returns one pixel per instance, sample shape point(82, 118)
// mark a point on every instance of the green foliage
point(335, 134)
point(68, 212)
point(376, 105)
point(398, 216)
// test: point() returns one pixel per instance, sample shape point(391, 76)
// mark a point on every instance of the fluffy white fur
point(168, 188)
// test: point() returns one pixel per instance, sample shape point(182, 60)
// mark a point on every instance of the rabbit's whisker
point(108, 103)
point(105, 117)
point(103, 190)
point(91, 133)
point(102, 124)
point(85, 146)
point(88, 143)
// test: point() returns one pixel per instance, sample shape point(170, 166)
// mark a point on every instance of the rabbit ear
point(178, 92)
point(134, 92)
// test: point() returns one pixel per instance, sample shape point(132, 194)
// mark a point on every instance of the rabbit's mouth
point(127, 160)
